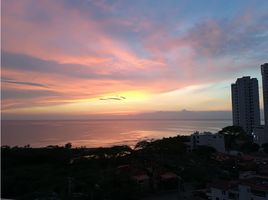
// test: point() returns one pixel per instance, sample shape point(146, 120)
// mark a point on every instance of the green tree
point(235, 137)
point(233, 130)
point(68, 145)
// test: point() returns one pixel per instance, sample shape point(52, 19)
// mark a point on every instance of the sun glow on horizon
point(108, 103)
point(118, 59)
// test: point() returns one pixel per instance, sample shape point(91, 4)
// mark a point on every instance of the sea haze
point(95, 133)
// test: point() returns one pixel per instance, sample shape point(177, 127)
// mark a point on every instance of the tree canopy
point(237, 139)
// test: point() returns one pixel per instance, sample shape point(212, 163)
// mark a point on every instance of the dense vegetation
point(56, 172)
point(237, 139)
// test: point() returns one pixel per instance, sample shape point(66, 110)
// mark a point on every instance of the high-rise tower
point(245, 103)
point(264, 72)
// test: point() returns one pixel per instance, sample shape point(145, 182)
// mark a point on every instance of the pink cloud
point(103, 63)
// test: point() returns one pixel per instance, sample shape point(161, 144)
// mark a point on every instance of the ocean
point(96, 133)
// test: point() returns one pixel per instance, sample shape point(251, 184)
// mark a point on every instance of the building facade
point(255, 188)
point(208, 139)
point(245, 103)
point(259, 136)
point(264, 72)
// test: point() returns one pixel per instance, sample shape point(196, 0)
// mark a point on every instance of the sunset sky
point(88, 57)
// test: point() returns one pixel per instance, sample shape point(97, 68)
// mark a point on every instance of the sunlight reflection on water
point(99, 133)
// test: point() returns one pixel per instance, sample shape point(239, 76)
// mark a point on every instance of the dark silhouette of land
point(157, 167)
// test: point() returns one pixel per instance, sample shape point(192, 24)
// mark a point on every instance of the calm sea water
point(100, 132)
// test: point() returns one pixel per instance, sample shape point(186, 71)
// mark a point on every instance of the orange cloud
point(57, 55)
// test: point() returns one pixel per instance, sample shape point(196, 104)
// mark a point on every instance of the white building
point(208, 139)
point(255, 188)
point(245, 103)
point(223, 190)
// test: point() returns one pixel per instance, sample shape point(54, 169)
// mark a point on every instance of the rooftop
point(224, 185)
point(256, 183)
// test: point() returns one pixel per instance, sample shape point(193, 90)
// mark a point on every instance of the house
point(223, 190)
point(247, 163)
point(254, 188)
point(139, 175)
point(142, 179)
point(168, 180)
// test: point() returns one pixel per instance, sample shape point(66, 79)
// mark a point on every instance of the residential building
point(264, 72)
point(245, 103)
point(259, 135)
point(223, 190)
point(208, 139)
point(255, 188)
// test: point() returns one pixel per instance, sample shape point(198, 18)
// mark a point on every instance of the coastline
point(95, 133)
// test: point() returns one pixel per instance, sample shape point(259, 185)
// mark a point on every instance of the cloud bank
point(64, 52)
